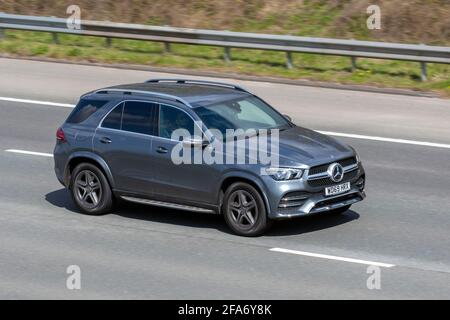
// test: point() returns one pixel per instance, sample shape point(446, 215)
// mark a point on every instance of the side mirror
point(196, 143)
point(287, 117)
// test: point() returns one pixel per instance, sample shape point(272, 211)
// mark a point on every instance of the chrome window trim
point(127, 132)
point(171, 106)
point(100, 125)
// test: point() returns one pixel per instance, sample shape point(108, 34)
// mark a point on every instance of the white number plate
point(340, 188)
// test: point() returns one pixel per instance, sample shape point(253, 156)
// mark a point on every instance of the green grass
point(385, 73)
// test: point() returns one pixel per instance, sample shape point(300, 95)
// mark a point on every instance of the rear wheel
point(90, 190)
point(339, 210)
point(244, 210)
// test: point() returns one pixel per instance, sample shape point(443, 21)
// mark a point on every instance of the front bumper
point(317, 203)
point(295, 199)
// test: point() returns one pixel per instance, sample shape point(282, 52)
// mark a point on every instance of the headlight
point(284, 173)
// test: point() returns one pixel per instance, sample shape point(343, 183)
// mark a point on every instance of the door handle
point(105, 140)
point(161, 150)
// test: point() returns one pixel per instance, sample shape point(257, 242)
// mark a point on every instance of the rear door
point(124, 141)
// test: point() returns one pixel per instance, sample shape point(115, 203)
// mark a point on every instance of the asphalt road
point(152, 253)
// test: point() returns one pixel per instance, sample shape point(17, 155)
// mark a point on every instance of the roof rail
point(152, 93)
point(194, 81)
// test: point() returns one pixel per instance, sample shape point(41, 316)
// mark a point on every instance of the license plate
point(340, 188)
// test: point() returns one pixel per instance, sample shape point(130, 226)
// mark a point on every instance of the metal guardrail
point(227, 39)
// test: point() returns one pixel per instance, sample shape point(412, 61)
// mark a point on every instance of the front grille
point(327, 181)
point(324, 167)
point(293, 199)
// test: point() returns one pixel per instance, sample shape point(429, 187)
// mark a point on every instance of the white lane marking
point(48, 103)
point(325, 256)
point(30, 153)
point(359, 136)
point(337, 134)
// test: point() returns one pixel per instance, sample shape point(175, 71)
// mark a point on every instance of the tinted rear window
point(114, 118)
point(84, 109)
point(139, 117)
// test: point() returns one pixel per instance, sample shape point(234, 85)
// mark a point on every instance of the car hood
point(300, 146)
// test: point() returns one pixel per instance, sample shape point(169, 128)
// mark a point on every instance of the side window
point(84, 109)
point(171, 119)
point(138, 117)
point(114, 118)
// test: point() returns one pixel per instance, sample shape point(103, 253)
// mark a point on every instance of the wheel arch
point(250, 179)
point(89, 157)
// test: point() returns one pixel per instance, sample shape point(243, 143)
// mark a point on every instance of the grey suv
point(118, 144)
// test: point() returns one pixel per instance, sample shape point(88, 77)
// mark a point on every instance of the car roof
point(195, 94)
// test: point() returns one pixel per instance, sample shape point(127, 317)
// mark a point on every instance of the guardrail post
point(227, 54)
point(167, 47)
point(108, 42)
point(354, 66)
point(54, 34)
point(423, 66)
point(289, 63)
point(55, 38)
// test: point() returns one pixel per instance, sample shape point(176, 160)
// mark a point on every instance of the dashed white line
point(30, 153)
point(359, 136)
point(337, 134)
point(325, 256)
point(47, 103)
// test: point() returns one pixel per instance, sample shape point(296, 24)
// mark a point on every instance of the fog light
point(360, 184)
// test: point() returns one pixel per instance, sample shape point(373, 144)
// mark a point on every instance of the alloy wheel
point(243, 208)
point(88, 189)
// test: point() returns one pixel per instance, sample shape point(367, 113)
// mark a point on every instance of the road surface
point(147, 252)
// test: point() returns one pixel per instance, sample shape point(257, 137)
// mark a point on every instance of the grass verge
point(380, 73)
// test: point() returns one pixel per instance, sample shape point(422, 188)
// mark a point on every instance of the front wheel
point(90, 190)
point(244, 210)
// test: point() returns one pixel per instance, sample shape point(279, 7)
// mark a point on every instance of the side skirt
point(168, 205)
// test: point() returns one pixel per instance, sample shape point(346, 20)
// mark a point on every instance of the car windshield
point(242, 113)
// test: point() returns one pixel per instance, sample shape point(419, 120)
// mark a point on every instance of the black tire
point(245, 216)
point(340, 210)
point(92, 195)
